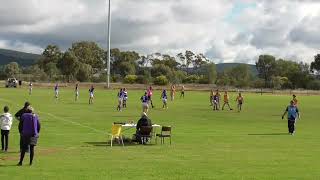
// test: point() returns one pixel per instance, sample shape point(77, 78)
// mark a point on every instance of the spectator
point(18, 116)
point(30, 133)
point(5, 122)
point(143, 121)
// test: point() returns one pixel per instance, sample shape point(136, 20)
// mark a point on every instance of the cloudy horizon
point(223, 30)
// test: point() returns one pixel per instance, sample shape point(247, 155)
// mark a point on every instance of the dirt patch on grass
point(48, 151)
point(15, 156)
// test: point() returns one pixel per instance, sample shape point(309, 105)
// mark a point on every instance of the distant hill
point(223, 66)
point(23, 59)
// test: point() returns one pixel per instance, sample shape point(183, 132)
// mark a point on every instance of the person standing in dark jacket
point(18, 116)
point(30, 133)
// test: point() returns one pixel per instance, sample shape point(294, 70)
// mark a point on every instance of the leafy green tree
point(37, 73)
point(84, 73)
point(125, 63)
point(89, 53)
point(211, 73)
point(266, 68)
point(12, 69)
point(239, 76)
point(127, 68)
point(199, 60)
point(161, 70)
point(179, 76)
point(170, 62)
point(315, 65)
point(161, 80)
point(69, 65)
point(51, 54)
point(278, 81)
point(2, 73)
point(189, 56)
point(130, 79)
point(51, 70)
point(181, 58)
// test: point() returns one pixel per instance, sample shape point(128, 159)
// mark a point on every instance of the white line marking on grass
point(72, 122)
point(60, 118)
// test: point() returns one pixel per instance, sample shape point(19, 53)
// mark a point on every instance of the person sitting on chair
point(143, 121)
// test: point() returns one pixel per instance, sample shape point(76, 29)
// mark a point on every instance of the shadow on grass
point(8, 165)
point(269, 134)
point(126, 143)
point(125, 116)
point(11, 152)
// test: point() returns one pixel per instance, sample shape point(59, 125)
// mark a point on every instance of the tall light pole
point(109, 42)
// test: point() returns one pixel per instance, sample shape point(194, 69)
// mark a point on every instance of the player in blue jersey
point(91, 94)
point(125, 98)
point(164, 98)
point(215, 102)
point(293, 115)
point(145, 102)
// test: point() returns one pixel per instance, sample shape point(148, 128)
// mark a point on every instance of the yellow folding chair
point(116, 133)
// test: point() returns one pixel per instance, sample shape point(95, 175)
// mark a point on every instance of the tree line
point(86, 62)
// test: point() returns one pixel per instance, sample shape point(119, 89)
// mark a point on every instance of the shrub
point(178, 76)
point(191, 79)
point(203, 80)
point(143, 79)
point(314, 85)
point(101, 78)
point(130, 79)
point(116, 78)
point(161, 80)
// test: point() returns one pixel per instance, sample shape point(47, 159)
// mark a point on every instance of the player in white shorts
point(164, 99)
point(56, 91)
point(91, 95)
point(30, 88)
point(76, 92)
point(145, 102)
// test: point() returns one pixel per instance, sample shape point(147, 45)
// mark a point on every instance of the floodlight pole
point(109, 42)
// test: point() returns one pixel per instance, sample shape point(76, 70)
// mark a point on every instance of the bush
point(314, 85)
point(178, 76)
point(191, 79)
point(101, 78)
point(161, 80)
point(203, 80)
point(143, 79)
point(116, 78)
point(130, 79)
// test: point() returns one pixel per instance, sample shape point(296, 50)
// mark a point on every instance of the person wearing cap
point(30, 133)
point(293, 115)
point(143, 121)
point(5, 122)
point(18, 117)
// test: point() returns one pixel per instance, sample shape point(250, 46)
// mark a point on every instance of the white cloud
point(286, 28)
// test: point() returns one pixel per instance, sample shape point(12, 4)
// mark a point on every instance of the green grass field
point(228, 145)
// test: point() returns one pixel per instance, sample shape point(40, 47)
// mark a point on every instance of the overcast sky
point(224, 30)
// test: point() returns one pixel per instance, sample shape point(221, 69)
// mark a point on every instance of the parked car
point(12, 82)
